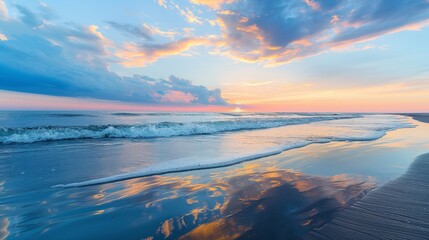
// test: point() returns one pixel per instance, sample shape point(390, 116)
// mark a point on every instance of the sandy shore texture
point(422, 117)
point(396, 210)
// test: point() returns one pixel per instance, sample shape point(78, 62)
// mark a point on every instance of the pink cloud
point(177, 97)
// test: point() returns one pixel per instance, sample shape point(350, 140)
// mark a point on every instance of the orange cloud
point(303, 42)
point(158, 32)
point(215, 4)
point(134, 55)
point(254, 33)
point(190, 17)
point(162, 3)
point(177, 97)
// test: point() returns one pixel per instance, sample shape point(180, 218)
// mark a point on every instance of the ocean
point(87, 175)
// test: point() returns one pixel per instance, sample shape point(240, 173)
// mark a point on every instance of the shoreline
point(421, 117)
point(398, 209)
point(153, 171)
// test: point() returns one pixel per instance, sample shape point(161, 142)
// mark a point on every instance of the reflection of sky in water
point(385, 159)
point(197, 204)
point(171, 206)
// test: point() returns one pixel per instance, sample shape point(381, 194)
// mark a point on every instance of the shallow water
point(307, 185)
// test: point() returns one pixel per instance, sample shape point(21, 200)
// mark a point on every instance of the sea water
point(56, 168)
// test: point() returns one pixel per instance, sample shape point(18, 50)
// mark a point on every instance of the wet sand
point(422, 117)
point(396, 210)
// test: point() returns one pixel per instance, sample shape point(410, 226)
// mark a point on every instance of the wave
point(69, 115)
point(133, 114)
point(126, 114)
point(163, 129)
point(182, 165)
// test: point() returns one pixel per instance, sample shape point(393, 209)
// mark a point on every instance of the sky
point(215, 55)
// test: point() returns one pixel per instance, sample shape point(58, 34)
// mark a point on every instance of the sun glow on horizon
point(237, 110)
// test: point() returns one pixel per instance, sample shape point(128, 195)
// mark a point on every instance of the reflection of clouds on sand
point(291, 202)
point(234, 203)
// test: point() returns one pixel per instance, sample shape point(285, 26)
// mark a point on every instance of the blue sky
point(254, 54)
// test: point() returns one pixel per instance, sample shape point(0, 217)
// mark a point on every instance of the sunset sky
point(215, 55)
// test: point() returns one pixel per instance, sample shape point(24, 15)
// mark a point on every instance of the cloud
point(4, 14)
point(132, 54)
point(28, 17)
point(379, 17)
point(182, 90)
point(257, 84)
point(71, 60)
point(51, 73)
point(158, 32)
point(313, 4)
point(188, 14)
point(215, 4)
point(3, 37)
point(277, 31)
point(161, 3)
point(138, 55)
point(132, 30)
point(145, 31)
point(190, 17)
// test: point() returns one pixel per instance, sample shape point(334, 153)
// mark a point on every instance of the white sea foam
point(180, 165)
point(363, 129)
point(163, 129)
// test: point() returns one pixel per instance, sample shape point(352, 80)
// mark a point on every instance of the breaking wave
point(153, 130)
